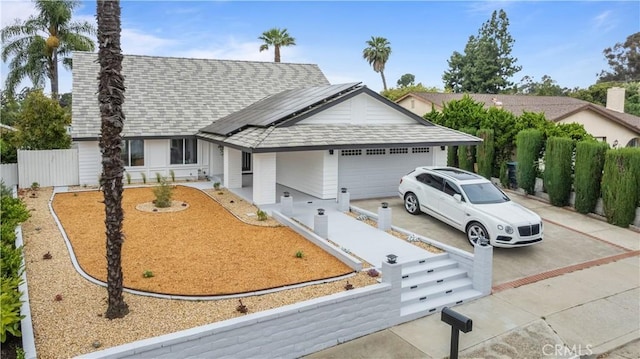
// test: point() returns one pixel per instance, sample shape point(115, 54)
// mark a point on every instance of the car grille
point(526, 231)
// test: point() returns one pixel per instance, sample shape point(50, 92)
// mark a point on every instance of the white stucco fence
point(9, 174)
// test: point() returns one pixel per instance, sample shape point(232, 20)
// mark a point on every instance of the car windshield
point(484, 193)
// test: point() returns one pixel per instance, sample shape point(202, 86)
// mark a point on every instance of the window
point(397, 151)
point(132, 153)
point(451, 189)
point(431, 180)
point(420, 150)
point(350, 152)
point(376, 151)
point(184, 151)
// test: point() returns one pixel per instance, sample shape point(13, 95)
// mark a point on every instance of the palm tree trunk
point(111, 97)
point(384, 81)
point(53, 77)
point(277, 53)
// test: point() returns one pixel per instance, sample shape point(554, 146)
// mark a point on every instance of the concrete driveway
point(562, 247)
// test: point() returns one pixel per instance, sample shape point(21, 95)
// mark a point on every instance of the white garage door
point(376, 172)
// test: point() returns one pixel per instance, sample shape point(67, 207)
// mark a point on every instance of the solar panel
point(275, 108)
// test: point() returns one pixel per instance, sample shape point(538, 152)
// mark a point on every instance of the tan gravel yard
point(73, 325)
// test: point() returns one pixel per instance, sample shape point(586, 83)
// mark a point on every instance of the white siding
point(89, 162)
point(303, 171)
point(48, 167)
point(377, 176)
point(359, 110)
point(264, 178)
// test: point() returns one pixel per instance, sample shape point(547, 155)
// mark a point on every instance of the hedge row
point(621, 185)
point(12, 212)
point(588, 174)
point(558, 170)
point(529, 144)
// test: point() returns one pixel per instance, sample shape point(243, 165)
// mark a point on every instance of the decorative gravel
point(67, 310)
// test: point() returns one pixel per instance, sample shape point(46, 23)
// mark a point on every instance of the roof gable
point(168, 96)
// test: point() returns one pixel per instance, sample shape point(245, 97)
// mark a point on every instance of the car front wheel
point(411, 203)
point(476, 232)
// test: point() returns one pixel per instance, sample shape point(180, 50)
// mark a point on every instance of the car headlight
point(507, 229)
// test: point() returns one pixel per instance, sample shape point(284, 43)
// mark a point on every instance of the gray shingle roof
point(555, 108)
point(307, 137)
point(168, 96)
point(272, 109)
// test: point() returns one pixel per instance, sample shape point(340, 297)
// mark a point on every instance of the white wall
point(305, 172)
point(359, 110)
point(9, 174)
point(264, 178)
point(598, 126)
point(216, 159)
point(89, 162)
point(232, 168)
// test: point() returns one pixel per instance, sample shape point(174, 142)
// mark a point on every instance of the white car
point(472, 204)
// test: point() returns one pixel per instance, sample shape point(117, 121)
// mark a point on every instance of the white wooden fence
point(48, 168)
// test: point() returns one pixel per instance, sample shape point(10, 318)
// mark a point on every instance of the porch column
point(232, 167)
point(264, 178)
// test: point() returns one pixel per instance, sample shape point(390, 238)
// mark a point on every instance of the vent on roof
point(496, 103)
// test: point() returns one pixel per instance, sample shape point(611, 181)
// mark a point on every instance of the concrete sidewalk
point(581, 313)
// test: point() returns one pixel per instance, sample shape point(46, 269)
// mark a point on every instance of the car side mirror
point(458, 197)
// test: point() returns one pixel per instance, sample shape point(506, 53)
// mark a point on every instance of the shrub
point(504, 175)
point(216, 186)
point(528, 145)
point(10, 307)
point(588, 174)
point(485, 153)
point(147, 274)
point(144, 177)
point(299, 254)
point(128, 177)
point(621, 185)
point(158, 177)
point(12, 212)
point(557, 173)
point(163, 193)
point(173, 175)
point(466, 154)
point(262, 215)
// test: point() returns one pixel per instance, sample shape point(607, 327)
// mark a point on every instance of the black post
point(455, 334)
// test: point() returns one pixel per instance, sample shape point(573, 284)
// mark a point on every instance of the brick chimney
point(615, 99)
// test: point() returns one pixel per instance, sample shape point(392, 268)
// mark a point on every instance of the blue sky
point(561, 39)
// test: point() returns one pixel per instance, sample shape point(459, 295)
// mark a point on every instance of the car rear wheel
point(411, 203)
point(476, 232)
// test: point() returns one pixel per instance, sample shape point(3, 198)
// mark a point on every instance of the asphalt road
point(560, 248)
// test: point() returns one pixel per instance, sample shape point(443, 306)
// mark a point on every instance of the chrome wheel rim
point(476, 233)
point(410, 203)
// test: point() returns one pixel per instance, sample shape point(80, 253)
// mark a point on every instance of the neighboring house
point(608, 124)
point(279, 123)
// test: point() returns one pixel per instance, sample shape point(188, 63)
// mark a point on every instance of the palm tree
point(111, 97)
point(276, 38)
point(38, 43)
point(377, 54)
